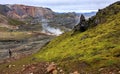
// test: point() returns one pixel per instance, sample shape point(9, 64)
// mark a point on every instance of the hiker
point(10, 53)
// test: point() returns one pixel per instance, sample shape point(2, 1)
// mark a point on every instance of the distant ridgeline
point(34, 15)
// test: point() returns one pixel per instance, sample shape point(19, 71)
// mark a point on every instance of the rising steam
point(50, 30)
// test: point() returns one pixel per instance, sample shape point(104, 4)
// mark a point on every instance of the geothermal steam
point(50, 30)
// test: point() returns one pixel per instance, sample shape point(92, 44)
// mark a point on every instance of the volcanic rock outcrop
point(82, 25)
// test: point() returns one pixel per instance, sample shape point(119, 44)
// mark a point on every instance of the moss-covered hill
point(95, 51)
point(97, 47)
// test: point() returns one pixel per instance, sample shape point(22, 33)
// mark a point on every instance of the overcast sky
point(65, 5)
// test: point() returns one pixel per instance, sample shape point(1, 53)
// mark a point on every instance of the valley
point(26, 29)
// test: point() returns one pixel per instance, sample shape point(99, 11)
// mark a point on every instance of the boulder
point(51, 68)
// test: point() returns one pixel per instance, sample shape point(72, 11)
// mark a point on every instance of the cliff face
point(22, 11)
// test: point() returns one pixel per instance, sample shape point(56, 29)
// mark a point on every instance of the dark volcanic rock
point(82, 25)
point(103, 14)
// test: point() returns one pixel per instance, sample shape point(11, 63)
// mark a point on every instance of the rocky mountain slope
point(22, 11)
point(35, 15)
point(7, 24)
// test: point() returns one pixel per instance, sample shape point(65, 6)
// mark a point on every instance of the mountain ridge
point(34, 15)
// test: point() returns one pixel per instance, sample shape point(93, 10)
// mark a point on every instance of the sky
point(80, 6)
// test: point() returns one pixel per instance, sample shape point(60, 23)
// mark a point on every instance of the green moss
point(99, 44)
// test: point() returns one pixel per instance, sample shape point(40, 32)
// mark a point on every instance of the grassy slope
point(100, 44)
point(102, 37)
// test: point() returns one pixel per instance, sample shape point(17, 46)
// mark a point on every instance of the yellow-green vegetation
point(98, 46)
point(14, 35)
